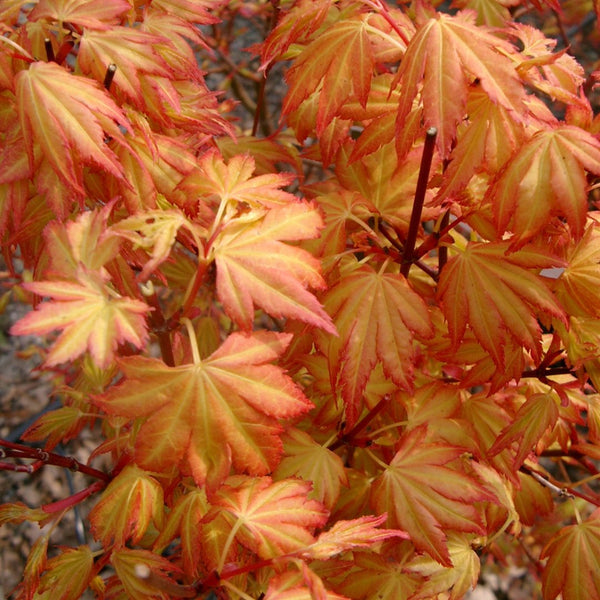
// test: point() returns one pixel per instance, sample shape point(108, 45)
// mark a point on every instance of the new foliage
point(353, 356)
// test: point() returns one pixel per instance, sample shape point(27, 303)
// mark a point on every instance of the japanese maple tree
point(347, 347)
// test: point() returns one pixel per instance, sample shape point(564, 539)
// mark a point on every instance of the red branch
point(12, 450)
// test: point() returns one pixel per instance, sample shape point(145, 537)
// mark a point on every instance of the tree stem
point(415, 217)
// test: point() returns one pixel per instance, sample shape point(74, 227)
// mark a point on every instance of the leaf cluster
point(350, 354)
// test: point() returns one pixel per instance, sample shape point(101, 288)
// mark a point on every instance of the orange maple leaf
point(354, 534)
point(377, 315)
point(269, 518)
point(69, 117)
point(339, 62)
point(209, 415)
point(499, 295)
point(546, 177)
point(83, 13)
point(92, 316)
point(446, 54)
point(535, 416)
point(558, 75)
point(485, 144)
point(573, 566)
point(184, 522)
point(131, 50)
point(229, 185)
point(577, 285)
point(255, 267)
point(303, 584)
point(426, 494)
point(193, 11)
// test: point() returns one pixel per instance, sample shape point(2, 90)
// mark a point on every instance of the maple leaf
point(35, 566)
point(388, 184)
point(311, 461)
point(177, 53)
point(575, 287)
point(270, 518)
point(87, 242)
point(340, 60)
point(446, 54)
point(230, 185)
point(532, 499)
point(144, 575)
point(379, 117)
point(498, 295)
point(193, 11)
point(357, 533)
point(69, 117)
point(184, 521)
point(207, 416)
point(255, 267)
point(376, 315)
point(92, 316)
point(493, 13)
point(342, 209)
point(83, 13)
point(581, 340)
point(546, 177)
point(426, 497)
point(296, 25)
point(58, 426)
point(154, 163)
point(156, 231)
point(68, 574)
point(456, 580)
point(573, 566)
point(17, 512)
point(130, 49)
point(558, 75)
point(372, 576)
point(485, 144)
point(132, 500)
point(537, 414)
point(302, 585)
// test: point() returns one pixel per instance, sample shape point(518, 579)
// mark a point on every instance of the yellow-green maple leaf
point(132, 500)
point(577, 286)
point(144, 575)
point(68, 574)
point(311, 461)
